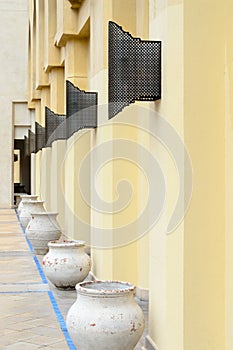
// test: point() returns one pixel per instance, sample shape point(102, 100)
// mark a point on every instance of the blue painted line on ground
point(29, 245)
point(23, 229)
point(41, 272)
point(50, 294)
point(61, 321)
point(16, 212)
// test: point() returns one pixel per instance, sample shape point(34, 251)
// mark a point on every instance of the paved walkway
point(32, 311)
point(29, 316)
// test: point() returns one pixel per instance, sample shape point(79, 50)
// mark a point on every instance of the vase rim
point(34, 201)
point(105, 288)
point(66, 243)
point(44, 213)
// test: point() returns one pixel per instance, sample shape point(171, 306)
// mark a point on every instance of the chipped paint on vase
point(66, 263)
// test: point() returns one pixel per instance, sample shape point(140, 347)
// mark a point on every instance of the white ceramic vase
point(66, 263)
point(25, 198)
point(105, 316)
point(32, 206)
point(42, 228)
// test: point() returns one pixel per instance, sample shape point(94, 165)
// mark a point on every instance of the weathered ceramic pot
point(42, 228)
point(66, 263)
point(32, 206)
point(105, 316)
point(25, 198)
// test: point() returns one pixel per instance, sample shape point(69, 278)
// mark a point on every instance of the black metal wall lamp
point(134, 68)
point(40, 137)
point(55, 128)
point(81, 109)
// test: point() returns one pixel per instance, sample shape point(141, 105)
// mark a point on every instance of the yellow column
point(58, 150)
point(204, 128)
point(229, 183)
point(57, 184)
point(41, 76)
point(76, 62)
point(120, 262)
point(52, 52)
point(33, 174)
point(45, 174)
point(57, 94)
point(166, 251)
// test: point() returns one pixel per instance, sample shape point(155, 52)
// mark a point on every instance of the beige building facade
point(186, 275)
point(15, 116)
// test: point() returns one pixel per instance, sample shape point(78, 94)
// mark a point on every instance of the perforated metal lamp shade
point(81, 109)
point(134, 67)
point(40, 137)
point(32, 141)
point(55, 127)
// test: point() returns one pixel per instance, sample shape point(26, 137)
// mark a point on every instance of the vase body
point(66, 263)
point(32, 206)
point(105, 316)
point(25, 198)
point(42, 228)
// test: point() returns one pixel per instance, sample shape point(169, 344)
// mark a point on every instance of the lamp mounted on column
point(55, 128)
point(134, 68)
point(32, 141)
point(81, 109)
point(40, 137)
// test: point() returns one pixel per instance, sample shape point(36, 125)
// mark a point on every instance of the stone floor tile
point(11, 242)
point(8, 217)
point(47, 331)
point(23, 287)
point(6, 331)
point(18, 269)
point(22, 346)
point(21, 326)
point(38, 340)
point(10, 228)
point(62, 345)
point(7, 212)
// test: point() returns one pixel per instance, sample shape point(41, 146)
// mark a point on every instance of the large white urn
point(42, 228)
point(66, 263)
point(25, 198)
point(32, 206)
point(105, 316)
